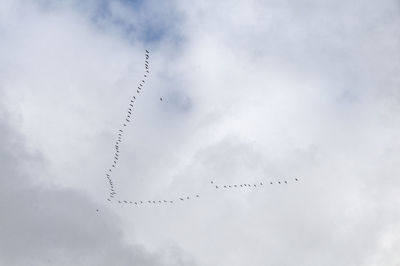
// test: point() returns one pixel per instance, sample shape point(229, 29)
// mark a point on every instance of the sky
point(252, 90)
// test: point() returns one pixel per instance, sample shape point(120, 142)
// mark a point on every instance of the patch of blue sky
point(152, 24)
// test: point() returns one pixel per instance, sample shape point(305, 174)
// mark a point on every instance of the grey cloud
point(46, 225)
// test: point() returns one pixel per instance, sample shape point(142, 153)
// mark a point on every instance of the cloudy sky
point(252, 91)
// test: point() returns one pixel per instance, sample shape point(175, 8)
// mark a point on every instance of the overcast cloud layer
point(253, 90)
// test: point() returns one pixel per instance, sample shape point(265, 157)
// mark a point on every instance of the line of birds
point(247, 185)
point(213, 183)
point(128, 118)
point(152, 202)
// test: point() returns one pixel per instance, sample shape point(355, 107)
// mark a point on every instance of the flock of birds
point(128, 118)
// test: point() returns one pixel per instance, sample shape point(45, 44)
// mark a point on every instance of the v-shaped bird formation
point(116, 157)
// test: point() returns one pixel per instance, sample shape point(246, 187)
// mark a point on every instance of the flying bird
point(160, 98)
